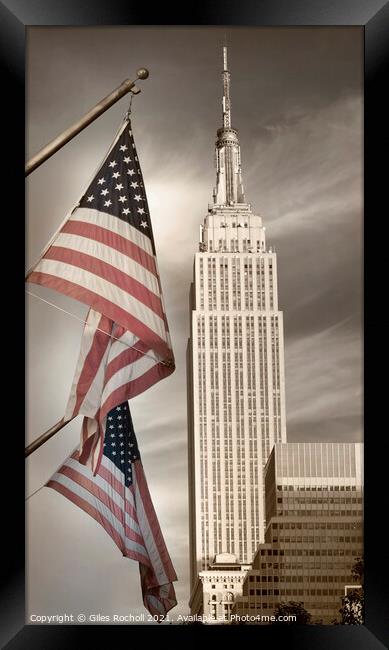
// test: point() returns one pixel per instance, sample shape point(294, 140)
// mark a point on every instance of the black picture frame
point(373, 17)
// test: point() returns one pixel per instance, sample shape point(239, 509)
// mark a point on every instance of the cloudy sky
point(297, 102)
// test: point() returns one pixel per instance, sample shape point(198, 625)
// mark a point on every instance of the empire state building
point(236, 386)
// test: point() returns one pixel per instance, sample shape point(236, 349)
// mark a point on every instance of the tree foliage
point(292, 608)
point(352, 610)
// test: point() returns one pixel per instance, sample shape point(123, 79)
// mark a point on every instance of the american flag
point(117, 497)
point(104, 255)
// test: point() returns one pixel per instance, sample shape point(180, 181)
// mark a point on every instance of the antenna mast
point(226, 92)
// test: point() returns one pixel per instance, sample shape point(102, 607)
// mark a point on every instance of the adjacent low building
point(217, 588)
point(314, 510)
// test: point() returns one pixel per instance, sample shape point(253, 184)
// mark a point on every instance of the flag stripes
point(89, 287)
point(123, 507)
point(104, 256)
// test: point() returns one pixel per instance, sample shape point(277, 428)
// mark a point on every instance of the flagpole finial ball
point(142, 73)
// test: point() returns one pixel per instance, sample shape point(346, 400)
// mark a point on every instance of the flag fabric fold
point(118, 498)
point(113, 366)
point(104, 255)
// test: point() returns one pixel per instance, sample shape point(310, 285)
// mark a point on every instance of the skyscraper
point(235, 361)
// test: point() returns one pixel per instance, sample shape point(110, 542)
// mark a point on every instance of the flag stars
point(113, 453)
point(115, 175)
point(107, 203)
point(127, 159)
point(104, 192)
point(126, 211)
point(141, 211)
point(119, 417)
point(131, 172)
point(101, 181)
point(123, 147)
point(119, 186)
point(90, 198)
point(113, 163)
point(120, 435)
point(137, 197)
point(112, 434)
point(120, 426)
point(111, 425)
point(113, 444)
point(134, 184)
point(144, 224)
point(122, 199)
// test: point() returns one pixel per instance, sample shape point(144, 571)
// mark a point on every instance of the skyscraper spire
point(229, 186)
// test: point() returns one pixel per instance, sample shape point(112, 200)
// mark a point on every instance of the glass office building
point(314, 515)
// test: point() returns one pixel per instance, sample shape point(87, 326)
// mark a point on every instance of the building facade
point(217, 588)
point(235, 364)
point(314, 515)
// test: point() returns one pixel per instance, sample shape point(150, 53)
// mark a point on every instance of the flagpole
point(103, 105)
point(45, 437)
